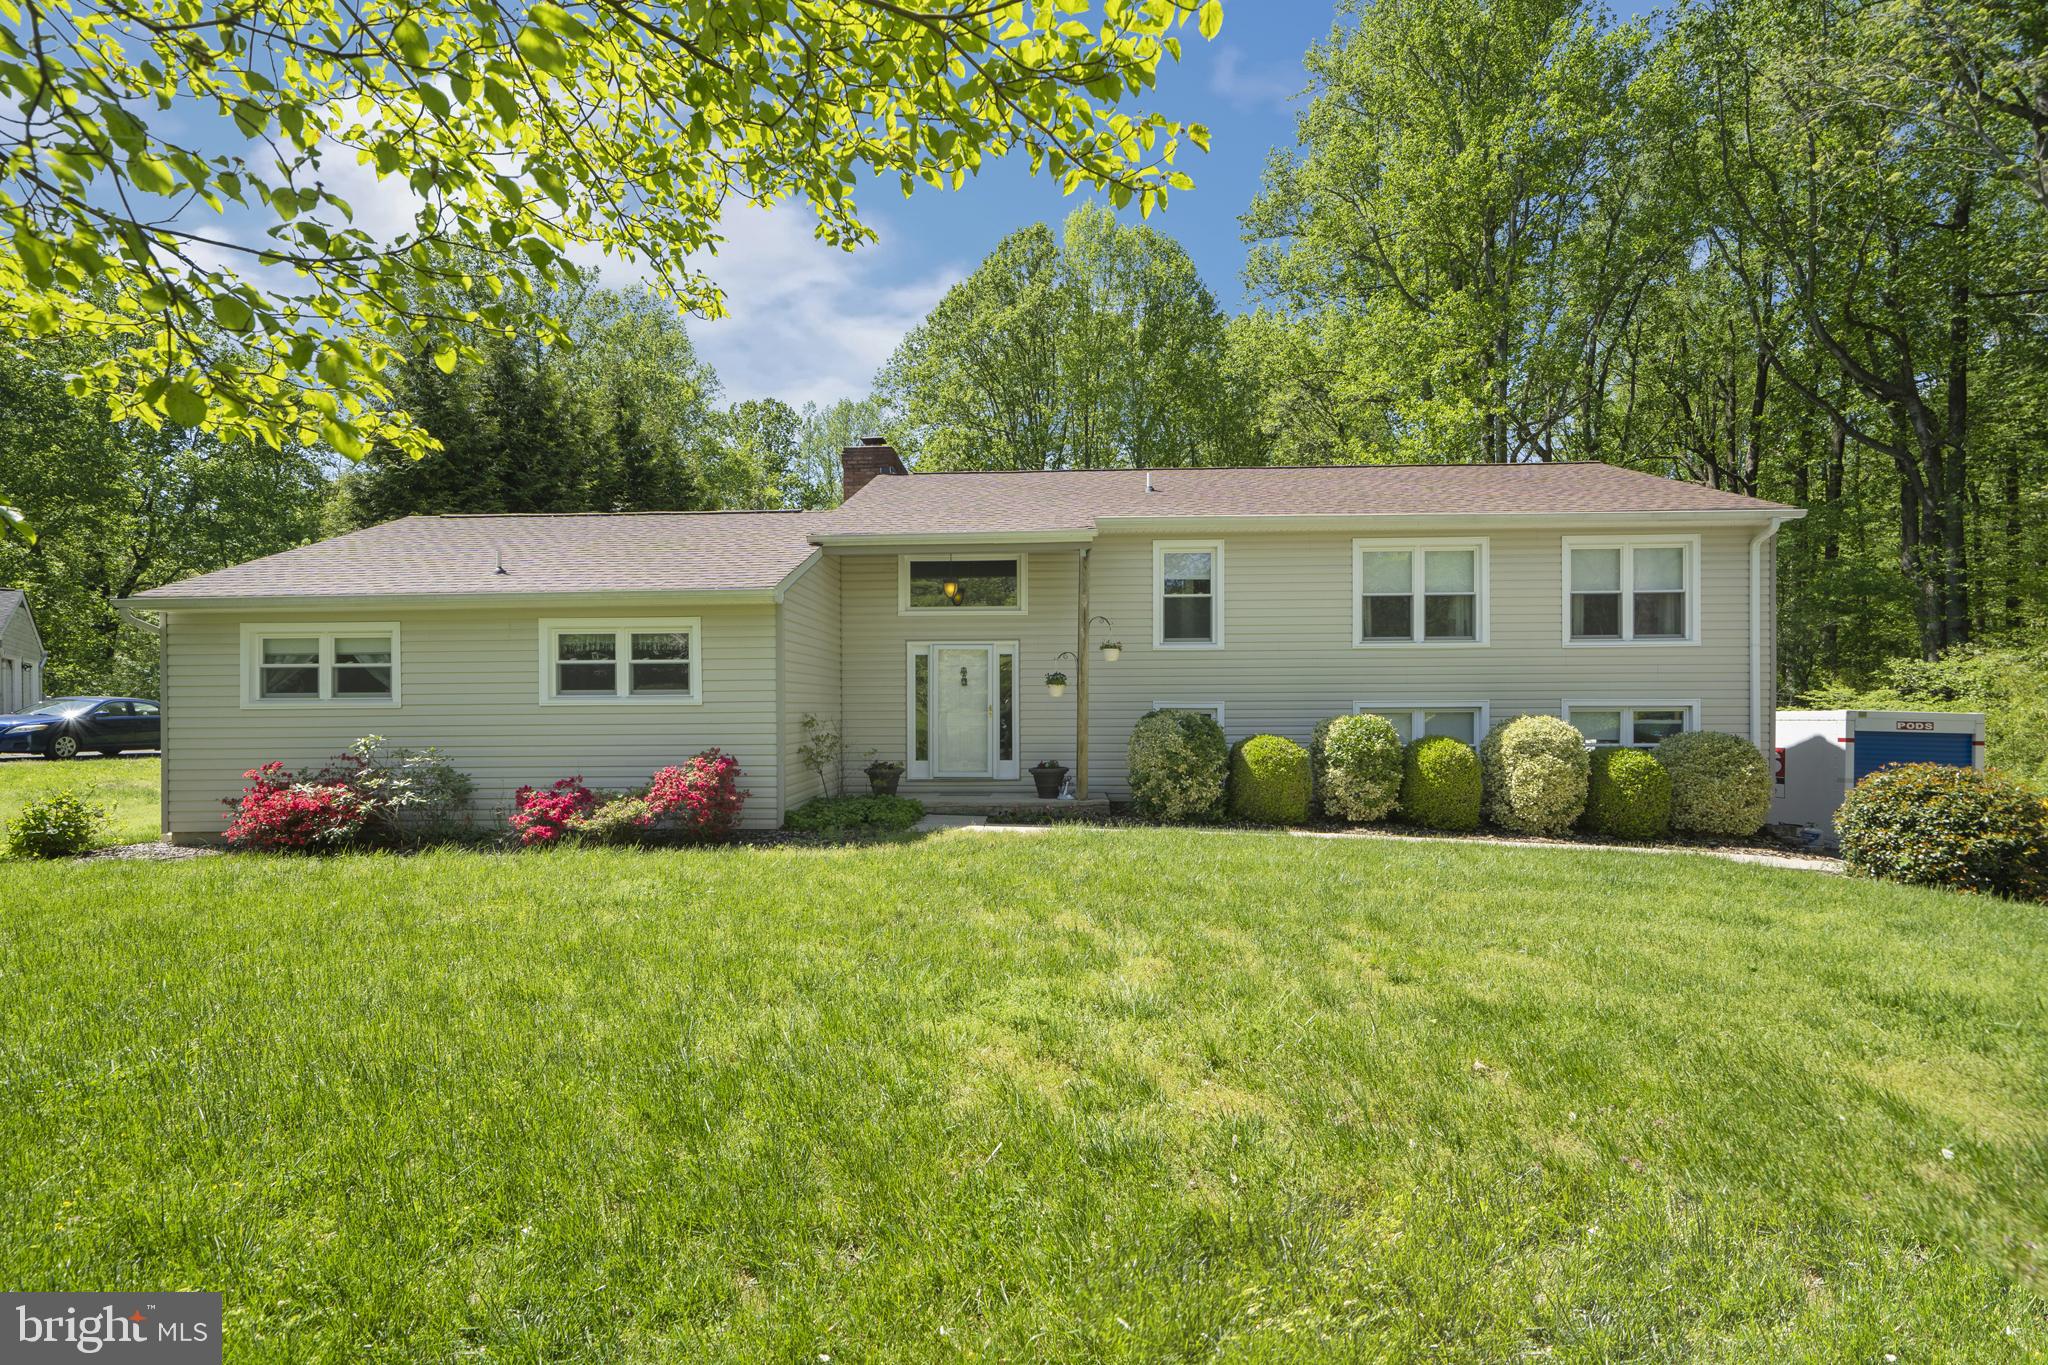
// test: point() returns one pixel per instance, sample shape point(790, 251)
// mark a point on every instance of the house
point(21, 654)
point(921, 617)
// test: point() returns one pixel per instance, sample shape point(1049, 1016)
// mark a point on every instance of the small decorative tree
point(821, 751)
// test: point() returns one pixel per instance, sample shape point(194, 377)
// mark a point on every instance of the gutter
point(923, 539)
point(458, 601)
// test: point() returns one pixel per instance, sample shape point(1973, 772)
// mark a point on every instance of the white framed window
point(1212, 709)
point(1187, 594)
point(1465, 721)
point(652, 661)
point(1621, 590)
point(1418, 592)
point(1631, 724)
point(1006, 738)
point(939, 585)
point(330, 664)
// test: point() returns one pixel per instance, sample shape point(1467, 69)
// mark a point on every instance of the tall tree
point(1466, 215)
point(1097, 348)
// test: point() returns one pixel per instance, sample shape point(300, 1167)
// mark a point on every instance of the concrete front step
point(942, 805)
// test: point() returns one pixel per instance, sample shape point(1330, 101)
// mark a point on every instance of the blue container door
point(1876, 748)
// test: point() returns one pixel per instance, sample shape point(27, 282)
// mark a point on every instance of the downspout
point(1756, 630)
point(1081, 684)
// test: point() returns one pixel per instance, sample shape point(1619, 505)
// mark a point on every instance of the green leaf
point(1210, 19)
point(37, 261)
point(412, 43)
point(506, 107)
point(233, 312)
point(555, 19)
point(152, 175)
point(184, 405)
point(13, 523)
point(344, 439)
point(543, 49)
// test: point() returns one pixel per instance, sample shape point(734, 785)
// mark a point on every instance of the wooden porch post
point(1081, 685)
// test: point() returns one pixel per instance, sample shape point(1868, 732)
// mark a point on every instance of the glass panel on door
point(962, 706)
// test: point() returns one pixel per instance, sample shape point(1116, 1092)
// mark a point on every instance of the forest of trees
point(1794, 248)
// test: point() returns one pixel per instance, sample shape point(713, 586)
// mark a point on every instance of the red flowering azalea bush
point(701, 798)
point(282, 810)
point(541, 816)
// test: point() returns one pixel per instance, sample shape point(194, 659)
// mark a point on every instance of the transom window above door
point(1465, 721)
point(1187, 594)
point(960, 585)
point(619, 661)
point(1427, 592)
point(1627, 591)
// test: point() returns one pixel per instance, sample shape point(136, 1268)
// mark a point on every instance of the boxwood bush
point(1440, 784)
point(1269, 781)
point(1933, 825)
point(842, 815)
point(1533, 772)
point(1178, 764)
point(57, 826)
point(1720, 783)
point(1355, 762)
point(1628, 795)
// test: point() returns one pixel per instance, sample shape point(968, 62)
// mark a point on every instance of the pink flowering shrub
point(702, 797)
point(282, 810)
point(541, 816)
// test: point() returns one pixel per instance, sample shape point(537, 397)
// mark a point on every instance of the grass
point(126, 786)
point(1129, 1096)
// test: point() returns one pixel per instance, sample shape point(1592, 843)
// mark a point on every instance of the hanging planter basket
point(1056, 684)
point(1111, 651)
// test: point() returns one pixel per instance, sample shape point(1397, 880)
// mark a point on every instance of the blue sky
point(811, 323)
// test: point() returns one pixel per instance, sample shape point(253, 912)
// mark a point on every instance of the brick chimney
point(858, 465)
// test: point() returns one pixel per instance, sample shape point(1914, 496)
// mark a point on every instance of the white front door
point(963, 710)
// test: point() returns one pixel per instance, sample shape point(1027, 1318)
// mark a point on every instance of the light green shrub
point(1934, 825)
point(1178, 765)
point(1356, 765)
point(1628, 795)
point(1440, 784)
point(1533, 771)
point(1269, 781)
point(1720, 783)
point(57, 826)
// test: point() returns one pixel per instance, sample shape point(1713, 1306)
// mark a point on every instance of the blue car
point(65, 726)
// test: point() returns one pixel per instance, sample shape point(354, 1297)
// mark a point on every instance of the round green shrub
point(1440, 784)
point(838, 816)
point(1179, 761)
point(57, 826)
point(1628, 795)
point(1533, 772)
point(1933, 825)
point(1720, 783)
point(1269, 781)
point(1356, 764)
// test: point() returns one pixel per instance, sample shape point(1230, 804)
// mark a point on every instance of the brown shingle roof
point(427, 556)
point(1077, 499)
point(691, 552)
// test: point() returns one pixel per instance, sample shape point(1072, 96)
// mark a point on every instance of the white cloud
point(806, 322)
point(1249, 84)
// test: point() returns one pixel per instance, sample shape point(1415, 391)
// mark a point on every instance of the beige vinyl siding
point(808, 630)
point(470, 684)
point(18, 646)
point(1289, 660)
point(876, 643)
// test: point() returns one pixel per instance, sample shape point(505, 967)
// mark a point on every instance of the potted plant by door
point(1056, 683)
point(1049, 777)
point(883, 775)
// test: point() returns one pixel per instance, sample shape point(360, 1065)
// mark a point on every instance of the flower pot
point(1049, 780)
point(882, 778)
point(1111, 653)
point(1056, 689)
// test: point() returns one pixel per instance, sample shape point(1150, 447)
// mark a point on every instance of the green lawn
point(126, 786)
point(1135, 1096)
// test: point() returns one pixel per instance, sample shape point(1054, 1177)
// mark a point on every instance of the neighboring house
point(21, 654)
point(922, 616)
